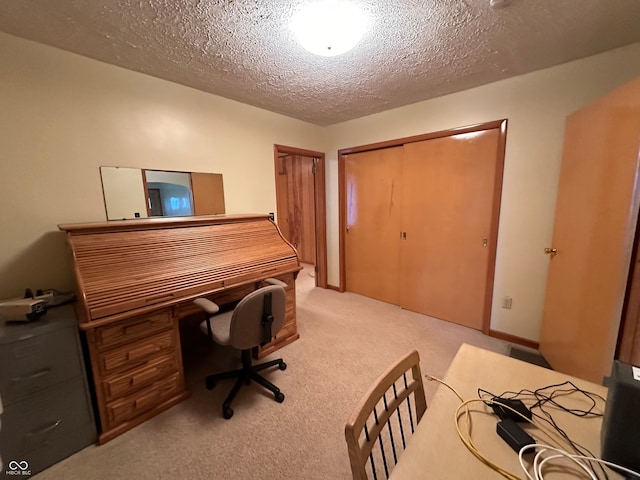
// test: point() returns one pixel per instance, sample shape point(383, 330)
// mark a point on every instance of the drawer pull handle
point(46, 429)
point(143, 352)
point(32, 376)
point(140, 327)
point(143, 377)
point(137, 328)
point(146, 400)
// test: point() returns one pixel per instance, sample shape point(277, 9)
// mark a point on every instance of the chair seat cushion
point(220, 328)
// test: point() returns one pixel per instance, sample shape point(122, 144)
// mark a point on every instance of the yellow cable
point(468, 442)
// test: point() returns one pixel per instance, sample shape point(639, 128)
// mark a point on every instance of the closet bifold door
point(373, 231)
point(447, 212)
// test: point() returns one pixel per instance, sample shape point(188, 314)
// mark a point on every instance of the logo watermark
point(18, 468)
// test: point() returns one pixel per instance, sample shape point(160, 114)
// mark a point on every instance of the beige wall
point(536, 106)
point(62, 116)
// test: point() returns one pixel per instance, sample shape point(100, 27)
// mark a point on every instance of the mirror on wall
point(141, 193)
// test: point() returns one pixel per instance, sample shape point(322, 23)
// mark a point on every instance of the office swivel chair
point(253, 322)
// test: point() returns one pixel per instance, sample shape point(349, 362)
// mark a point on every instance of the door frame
point(497, 195)
point(320, 205)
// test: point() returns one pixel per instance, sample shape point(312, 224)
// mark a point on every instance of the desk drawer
point(132, 329)
point(125, 384)
point(127, 408)
point(137, 353)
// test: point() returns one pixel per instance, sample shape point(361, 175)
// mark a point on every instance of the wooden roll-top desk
point(137, 279)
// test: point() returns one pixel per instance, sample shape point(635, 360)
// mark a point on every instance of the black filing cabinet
point(47, 407)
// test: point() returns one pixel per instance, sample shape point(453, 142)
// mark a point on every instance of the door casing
point(320, 207)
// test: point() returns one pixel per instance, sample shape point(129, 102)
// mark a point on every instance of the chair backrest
point(247, 330)
point(386, 416)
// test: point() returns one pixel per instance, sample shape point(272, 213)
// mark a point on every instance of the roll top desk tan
point(137, 279)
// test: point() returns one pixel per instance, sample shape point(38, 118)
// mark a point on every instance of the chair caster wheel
point(209, 383)
point(279, 397)
point(282, 366)
point(227, 413)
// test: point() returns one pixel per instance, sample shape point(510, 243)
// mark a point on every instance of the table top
point(436, 451)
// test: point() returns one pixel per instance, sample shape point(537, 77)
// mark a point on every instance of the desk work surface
point(436, 451)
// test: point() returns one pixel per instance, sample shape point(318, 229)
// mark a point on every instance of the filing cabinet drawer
point(137, 353)
point(132, 329)
point(127, 408)
point(52, 452)
point(124, 384)
point(47, 420)
point(33, 362)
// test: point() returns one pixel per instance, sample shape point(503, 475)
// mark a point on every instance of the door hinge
point(313, 167)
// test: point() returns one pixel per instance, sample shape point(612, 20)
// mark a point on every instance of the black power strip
point(513, 434)
point(506, 413)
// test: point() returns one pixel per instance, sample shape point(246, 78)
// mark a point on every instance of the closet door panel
point(447, 207)
point(372, 239)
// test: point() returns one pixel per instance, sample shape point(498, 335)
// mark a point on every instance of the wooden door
point(296, 204)
point(372, 241)
point(448, 214)
point(595, 220)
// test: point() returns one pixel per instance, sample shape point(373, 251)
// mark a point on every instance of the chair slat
point(367, 426)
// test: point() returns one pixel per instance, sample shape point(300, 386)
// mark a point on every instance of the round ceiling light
point(329, 27)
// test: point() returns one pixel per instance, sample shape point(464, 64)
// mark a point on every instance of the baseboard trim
point(514, 339)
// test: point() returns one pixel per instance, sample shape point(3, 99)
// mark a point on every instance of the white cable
point(537, 467)
point(521, 458)
point(569, 456)
point(609, 464)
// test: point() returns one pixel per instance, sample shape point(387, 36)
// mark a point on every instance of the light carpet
point(346, 341)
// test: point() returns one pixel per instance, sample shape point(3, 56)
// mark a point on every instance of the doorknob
point(551, 251)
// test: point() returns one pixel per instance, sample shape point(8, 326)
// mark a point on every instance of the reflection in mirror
point(135, 193)
point(169, 193)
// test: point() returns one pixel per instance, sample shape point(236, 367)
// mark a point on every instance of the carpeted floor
point(346, 341)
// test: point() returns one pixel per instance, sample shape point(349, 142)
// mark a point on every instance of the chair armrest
point(207, 305)
point(275, 281)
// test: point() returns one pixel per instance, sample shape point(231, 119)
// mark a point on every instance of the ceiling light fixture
point(498, 3)
point(329, 27)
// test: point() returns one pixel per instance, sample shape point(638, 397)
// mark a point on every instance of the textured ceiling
point(245, 51)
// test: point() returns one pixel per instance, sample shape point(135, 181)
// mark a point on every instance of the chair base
point(245, 375)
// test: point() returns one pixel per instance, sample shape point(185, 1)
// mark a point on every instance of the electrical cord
point(468, 442)
point(540, 398)
point(539, 462)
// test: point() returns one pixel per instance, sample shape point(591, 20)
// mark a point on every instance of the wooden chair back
point(379, 427)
